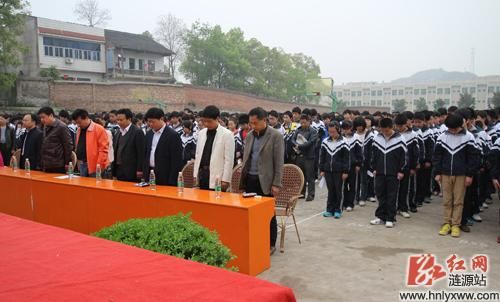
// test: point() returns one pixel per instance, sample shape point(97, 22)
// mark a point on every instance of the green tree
point(50, 72)
point(148, 34)
point(399, 105)
point(227, 60)
point(420, 104)
point(466, 100)
point(439, 103)
point(11, 27)
point(495, 101)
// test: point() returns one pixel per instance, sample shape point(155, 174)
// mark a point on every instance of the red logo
point(423, 270)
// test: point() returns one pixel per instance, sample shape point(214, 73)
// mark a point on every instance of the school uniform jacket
point(334, 155)
point(389, 156)
point(412, 146)
point(456, 154)
point(426, 145)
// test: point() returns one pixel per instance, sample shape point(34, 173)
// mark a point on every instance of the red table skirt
point(44, 263)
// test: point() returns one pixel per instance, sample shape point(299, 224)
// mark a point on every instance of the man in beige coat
point(263, 162)
point(214, 152)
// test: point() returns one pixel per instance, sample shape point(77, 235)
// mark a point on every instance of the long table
point(86, 205)
point(39, 262)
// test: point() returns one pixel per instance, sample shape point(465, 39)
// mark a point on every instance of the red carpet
point(44, 263)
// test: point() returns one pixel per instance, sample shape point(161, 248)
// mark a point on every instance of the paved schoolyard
point(350, 260)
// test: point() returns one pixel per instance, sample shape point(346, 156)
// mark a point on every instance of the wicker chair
point(292, 183)
point(236, 179)
point(187, 174)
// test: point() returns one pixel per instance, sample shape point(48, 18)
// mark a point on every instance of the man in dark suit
point(129, 147)
point(163, 149)
point(30, 142)
point(7, 139)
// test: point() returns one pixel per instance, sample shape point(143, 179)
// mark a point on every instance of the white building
point(84, 53)
point(384, 94)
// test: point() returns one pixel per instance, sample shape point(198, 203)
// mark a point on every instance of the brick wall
point(141, 96)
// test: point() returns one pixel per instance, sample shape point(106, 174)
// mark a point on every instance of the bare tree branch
point(170, 32)
point(89, 12)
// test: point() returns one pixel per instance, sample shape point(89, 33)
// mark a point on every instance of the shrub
point(177, 235)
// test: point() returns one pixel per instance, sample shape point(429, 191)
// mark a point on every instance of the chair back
point(187, 174)
point(236, 179)
point(291, 186)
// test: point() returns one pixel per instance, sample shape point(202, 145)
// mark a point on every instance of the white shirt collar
point(160, 132)
point(124, 131)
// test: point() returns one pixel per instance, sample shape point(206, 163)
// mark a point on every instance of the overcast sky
point(351, 40)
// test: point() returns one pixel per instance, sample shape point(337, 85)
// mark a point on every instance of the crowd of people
point(399, 159)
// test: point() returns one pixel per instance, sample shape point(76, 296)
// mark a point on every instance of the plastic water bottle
point(13, 163)
point(98, 175)
point(152, 180)
point(180, 183)
point(27, 167)
point(70, 170)
point(218, 187)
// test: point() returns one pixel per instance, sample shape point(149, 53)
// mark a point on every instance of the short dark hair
point(296, 110)
point(452, 109)
point(385, 123)
point(334, 124)
point(211, 112)
point(65, 114)
point(359, 122)
point(454, 121)
point(288, 113)
point(34, 117)
point(401, 119)
point(408, 114)
point(80, 113)
point(187, 124)
point(274, 113)
point(154, 113)
point(419, 116)
point(243, 119)
point(305, 117)
point(127, 112)
point(46, 110)
point(174, 114)
point(113, 112)
point(259, 112)
point(314, 112)
point(346, 124)
point(442, 111)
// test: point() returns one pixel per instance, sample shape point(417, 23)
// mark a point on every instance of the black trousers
point(367, 189)
point(386, 189)
point(470, 199)
point(411, 193)
point(204, 178)
point(307, 167)
point(423, 185)
point(334, 185)
point(350, 189)
point(404, 194)
point(253, 186)
point(484, 190)
point(6, 154)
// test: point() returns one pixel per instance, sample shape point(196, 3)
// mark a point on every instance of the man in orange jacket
point(92, 144)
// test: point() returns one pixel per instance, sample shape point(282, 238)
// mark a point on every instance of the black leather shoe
point(465, 228)
point(309, 198)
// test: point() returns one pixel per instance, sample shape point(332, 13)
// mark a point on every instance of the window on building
point(379, 93)
point(440, 91)
point(465, 90)
point(473, 90)
point(422, 91)
point(353, 93)
point(491, 89)
point(447, 90)
point(359, 93)
point(68, 52)
point(416, 91)
point(379, 102)
point(374, 93)
point(372, 102)
point(400, 91)
point(72, 49)
point(131, 63)
point(394, 92)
